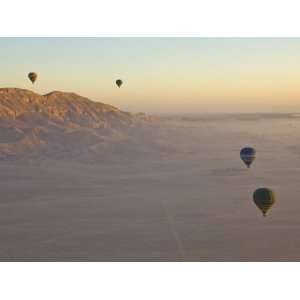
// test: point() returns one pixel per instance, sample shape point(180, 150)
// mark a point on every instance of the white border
point(214, 18)
point(148, 281)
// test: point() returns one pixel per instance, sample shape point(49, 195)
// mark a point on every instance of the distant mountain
point(58, 124)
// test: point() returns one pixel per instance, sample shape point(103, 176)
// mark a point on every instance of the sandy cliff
point(58, 124)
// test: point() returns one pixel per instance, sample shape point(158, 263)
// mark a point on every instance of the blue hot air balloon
point(248, 155)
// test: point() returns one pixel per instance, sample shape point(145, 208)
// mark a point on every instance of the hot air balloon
point(248, 155)
point(32, 76)
point(119, 82)
point(264, 199)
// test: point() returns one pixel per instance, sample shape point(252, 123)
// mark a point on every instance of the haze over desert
point(147, 189)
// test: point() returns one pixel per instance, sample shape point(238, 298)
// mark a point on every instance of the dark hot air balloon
point(119, 82)
point(32, 76)
point(248, 155)
point(264, 199)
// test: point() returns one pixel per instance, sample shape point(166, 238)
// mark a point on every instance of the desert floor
point(189, 200)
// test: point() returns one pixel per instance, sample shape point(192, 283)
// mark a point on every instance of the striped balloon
point(32, 76)
point(248, 155)
point(264, 199)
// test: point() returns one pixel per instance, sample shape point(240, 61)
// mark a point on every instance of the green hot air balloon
point(32, 76)
point(264, 199)
point(119, 82)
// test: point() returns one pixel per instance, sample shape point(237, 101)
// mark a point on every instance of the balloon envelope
point(32, 76)
point(248, 155)
point(119, 82)
point(264, 199)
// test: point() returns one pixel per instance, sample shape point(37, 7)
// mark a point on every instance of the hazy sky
point(161, 74)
